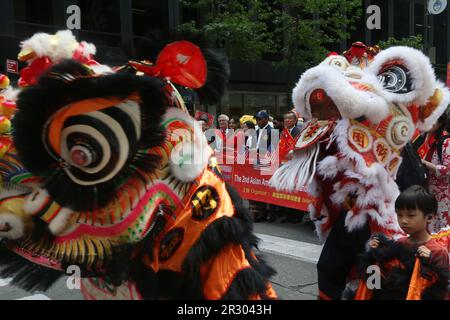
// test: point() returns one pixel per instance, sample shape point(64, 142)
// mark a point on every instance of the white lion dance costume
point(364, 108)
point(100, 174)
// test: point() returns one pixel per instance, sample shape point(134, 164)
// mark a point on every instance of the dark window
point(189, 14)
point(383, 33)
point(32, 16)
point(441, 37)
point(401, 19)
point(100, 22)
point(418, 18)
point(34, 11)
point(150, 16)
point(359, 32)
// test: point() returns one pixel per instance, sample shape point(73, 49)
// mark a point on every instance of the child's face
point(412, 221)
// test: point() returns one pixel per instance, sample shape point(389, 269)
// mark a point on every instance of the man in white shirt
point(263, 132)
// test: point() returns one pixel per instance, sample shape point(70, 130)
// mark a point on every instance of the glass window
point(100, 22)
point(33, 16)
point(418, 18)
point(34, 11)
point(401, 19)
point(149, 16)
point(440, 40)
point(260, 100)
point(255, 102)
point(383, 33)
point(100, 15)
point(359, 33)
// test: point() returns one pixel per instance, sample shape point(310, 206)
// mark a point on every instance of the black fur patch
point(26, 275)
point(219, 234)
point(32, 277)
point(187, 285)
point(216, 79)
point(247, 282)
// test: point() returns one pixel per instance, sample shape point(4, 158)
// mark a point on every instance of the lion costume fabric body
point(362, 109)
point(109, 173)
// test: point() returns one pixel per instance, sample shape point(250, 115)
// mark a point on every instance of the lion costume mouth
point(322, 106)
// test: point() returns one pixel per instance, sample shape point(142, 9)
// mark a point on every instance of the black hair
point(237, 120)
point(416, 197)
point(443, 125)
point(279, 118)
point(447, 122)
point(249, 124)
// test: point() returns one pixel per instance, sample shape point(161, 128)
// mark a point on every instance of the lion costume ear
point(436, 105)
point(190, 153)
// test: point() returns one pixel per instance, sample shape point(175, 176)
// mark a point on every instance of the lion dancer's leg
point(338, 257)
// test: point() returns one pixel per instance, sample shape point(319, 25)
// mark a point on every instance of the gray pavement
point(295, 280)
point(299, 231)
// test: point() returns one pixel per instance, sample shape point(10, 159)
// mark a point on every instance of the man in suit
point(263, 133)
point(292, 129)
point(290, 122)
point(263, 145)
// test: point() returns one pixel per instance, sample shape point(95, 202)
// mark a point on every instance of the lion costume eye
point(82, 155)
point(339, 63)
point(395, 79)
point(97, 144)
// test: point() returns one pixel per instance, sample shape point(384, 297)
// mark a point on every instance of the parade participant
point(414, 267)
point(246, 118)
point(221, 134)
point(235, 139)
point(361, 113)
point(288, 137)
point(443, 237)
point(291, 121)
point(117, 179)
point(250, 140)
point(263, 133)
point(223, 121)
point(234, 123)
point(278, 123)
point(438, 163)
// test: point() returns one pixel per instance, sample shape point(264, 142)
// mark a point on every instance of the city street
point(133, 133)
point(292, 249)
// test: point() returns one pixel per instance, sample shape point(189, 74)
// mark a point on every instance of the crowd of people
point(264, 134)
point(248, 132)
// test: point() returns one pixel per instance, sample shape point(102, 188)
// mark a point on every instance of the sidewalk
point(295, 263)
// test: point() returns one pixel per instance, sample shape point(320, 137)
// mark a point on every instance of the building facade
point(119, 27)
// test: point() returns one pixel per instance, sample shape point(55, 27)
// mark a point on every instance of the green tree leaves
point(413, 42)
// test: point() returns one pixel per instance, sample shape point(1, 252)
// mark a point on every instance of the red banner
point(251, 184)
